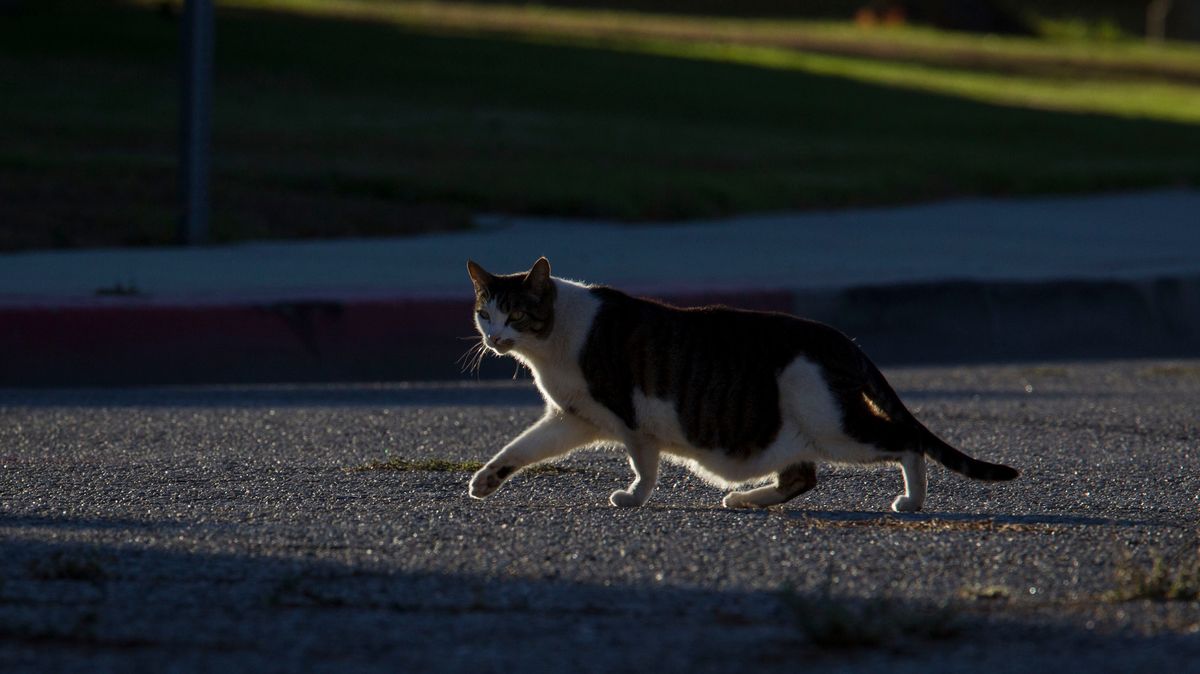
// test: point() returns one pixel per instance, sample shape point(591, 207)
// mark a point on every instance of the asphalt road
point(227, 529)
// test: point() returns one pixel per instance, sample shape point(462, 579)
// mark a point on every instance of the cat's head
point(512, 310)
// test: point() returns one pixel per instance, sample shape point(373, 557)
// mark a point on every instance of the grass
point(841, 624)
point(447, 466)
point(294, 591)
point(428, 465)
point(888, 51)
point(411, 116)
point(1171, 370)
point(1109, 77)
point(1169, 578)
point(64, 565)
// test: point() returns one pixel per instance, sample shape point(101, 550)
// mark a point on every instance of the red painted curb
point(131, 341)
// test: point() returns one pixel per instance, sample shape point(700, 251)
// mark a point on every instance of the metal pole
point(195, 119)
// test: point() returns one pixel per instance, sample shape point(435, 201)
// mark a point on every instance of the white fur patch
point(808, 403)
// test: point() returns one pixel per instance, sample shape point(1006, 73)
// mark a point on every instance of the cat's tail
point(938, 450)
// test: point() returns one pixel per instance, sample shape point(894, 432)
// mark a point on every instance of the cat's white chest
point(556, 366)
point(566, 388)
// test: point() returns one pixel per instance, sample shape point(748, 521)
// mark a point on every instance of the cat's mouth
point(500, 346)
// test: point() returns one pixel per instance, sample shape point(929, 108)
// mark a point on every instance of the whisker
point(479, 356)
point(466, 353)
point(476, 353)
point(470, 358)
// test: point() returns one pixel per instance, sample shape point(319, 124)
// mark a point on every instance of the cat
point(741, 398)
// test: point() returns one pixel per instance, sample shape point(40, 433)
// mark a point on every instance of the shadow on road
point(139, 601)
point(957, 520)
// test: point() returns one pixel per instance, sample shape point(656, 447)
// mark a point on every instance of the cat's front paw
point(625, 499)
point(738, 499)
point(488, 479)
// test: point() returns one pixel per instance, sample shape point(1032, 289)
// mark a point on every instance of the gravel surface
point(259, 528)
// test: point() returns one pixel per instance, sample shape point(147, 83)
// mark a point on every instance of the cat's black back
point(720, 369)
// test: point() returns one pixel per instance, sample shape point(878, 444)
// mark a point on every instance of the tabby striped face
point(513, 309)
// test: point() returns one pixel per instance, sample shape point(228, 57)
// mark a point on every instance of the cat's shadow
point(949, 520)
point(887, 518)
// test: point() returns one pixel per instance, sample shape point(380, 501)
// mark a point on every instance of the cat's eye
point(484, 315)
point(516, 316)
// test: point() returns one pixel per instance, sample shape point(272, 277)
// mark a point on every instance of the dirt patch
point(923, 524)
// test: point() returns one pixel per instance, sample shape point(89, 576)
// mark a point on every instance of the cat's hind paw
point(488, 479)
point(907, 504)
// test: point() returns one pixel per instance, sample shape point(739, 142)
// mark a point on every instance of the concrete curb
point(132, 341)
point(985, 321)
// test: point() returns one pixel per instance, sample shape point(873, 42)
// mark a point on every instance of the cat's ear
point(539, 275)
point(479, 276)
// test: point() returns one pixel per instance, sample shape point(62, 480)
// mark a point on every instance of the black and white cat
point(739, 397)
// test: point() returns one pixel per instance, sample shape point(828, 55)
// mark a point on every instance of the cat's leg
point(789, 483)
point(553, 435)
point(644, 461)
point(913, 466)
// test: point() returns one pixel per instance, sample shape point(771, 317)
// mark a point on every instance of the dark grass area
point(337, 128)
point(1130, 16)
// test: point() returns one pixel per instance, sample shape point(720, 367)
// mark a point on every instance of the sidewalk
point(969, 280)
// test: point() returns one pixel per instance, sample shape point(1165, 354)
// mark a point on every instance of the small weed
point(68, 566)
point(283, 591)
point(85, 625)
point(985, 592)
point(292, 591)
point(843, 624)
point(445, 466)
point(80, 631)
point(1169, 578)
point(119, 290)
point(1170, 371)
point(1047, 371)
